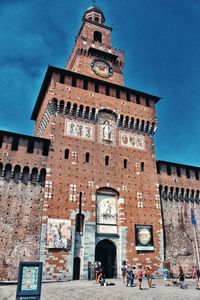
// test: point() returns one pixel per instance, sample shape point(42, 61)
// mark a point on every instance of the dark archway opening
point(105, 252)
point(76, 273)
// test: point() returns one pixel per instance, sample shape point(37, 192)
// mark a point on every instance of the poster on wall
point(29, 280)
point(59, 233)
point(144, 237)
point(106, 214)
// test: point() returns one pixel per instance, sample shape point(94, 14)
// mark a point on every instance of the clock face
point(101, 68)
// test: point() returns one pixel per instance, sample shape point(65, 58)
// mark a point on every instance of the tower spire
point(93, 54)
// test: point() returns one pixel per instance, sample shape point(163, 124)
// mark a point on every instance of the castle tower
point(101, 195)
point(93, 54)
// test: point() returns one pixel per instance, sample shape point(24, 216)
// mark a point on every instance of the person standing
point(166, 276)
point(194, 272)
point(128, 276)
point(139, 275)
point(123, 269)
point(148, 276)
point(133, 276)
point(198, 278)
point(181, 278)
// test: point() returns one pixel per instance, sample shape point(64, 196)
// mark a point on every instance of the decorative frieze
point(79, 130)
point(132, 140)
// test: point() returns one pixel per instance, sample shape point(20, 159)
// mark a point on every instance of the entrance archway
point(105, 252)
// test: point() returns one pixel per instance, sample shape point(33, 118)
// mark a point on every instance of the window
point(142, 167)
point(96, 19)
point(66, 153)
point(98, 36)
point(125, 163)
point(87, 157)
point(107, 160)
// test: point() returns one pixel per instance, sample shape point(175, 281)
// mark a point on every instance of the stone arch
point(16, 173)
point(137, 124)
point(54, 104)
point(106, 253)
point(42, 177)
point(62, 103)
point(8, 170)
point(68, 106)
point(25, 174)
point(34, 174)
point(109, 111)
point(87, 111)
point(81, 107)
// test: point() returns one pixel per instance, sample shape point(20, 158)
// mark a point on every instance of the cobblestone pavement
point(82, 290)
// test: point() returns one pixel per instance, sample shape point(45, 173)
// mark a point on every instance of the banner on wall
point(144, 237)
point(59, 233)
point(106, 214)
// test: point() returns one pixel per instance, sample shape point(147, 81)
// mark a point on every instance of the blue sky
point(161, 39)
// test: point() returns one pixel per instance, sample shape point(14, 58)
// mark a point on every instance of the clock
point(101, 68)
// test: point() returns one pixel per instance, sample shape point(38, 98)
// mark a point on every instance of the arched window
point(87, 157)
point(80, 223)
point(96, 19)
point(42, 177)
point(98, 36)
point(34, 176)
point(107, 160)
point(16, 174)
point(8, 169)
point(62, 103)
point(66, 153)
point(125, 163)
point(25, 175)
point(142, 166)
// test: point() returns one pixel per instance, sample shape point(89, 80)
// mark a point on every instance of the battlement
point(178, 170)
point(10, 141)
point(84, 82)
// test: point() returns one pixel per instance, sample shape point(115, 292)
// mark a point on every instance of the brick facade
point(90, 176)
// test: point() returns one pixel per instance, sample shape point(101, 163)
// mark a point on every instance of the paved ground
point(82, 290)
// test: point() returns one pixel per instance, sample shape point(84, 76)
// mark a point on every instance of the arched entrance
point(105, 252)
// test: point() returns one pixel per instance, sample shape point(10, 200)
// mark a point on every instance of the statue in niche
point(107, 130)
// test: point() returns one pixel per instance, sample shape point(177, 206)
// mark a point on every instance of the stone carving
point(132, 140)
point(107, 128)
point(79, 130)
point(106, 213)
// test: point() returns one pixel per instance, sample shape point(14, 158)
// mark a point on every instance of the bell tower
point(93, 54)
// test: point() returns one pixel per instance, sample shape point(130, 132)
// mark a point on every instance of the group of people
point(129, 274)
